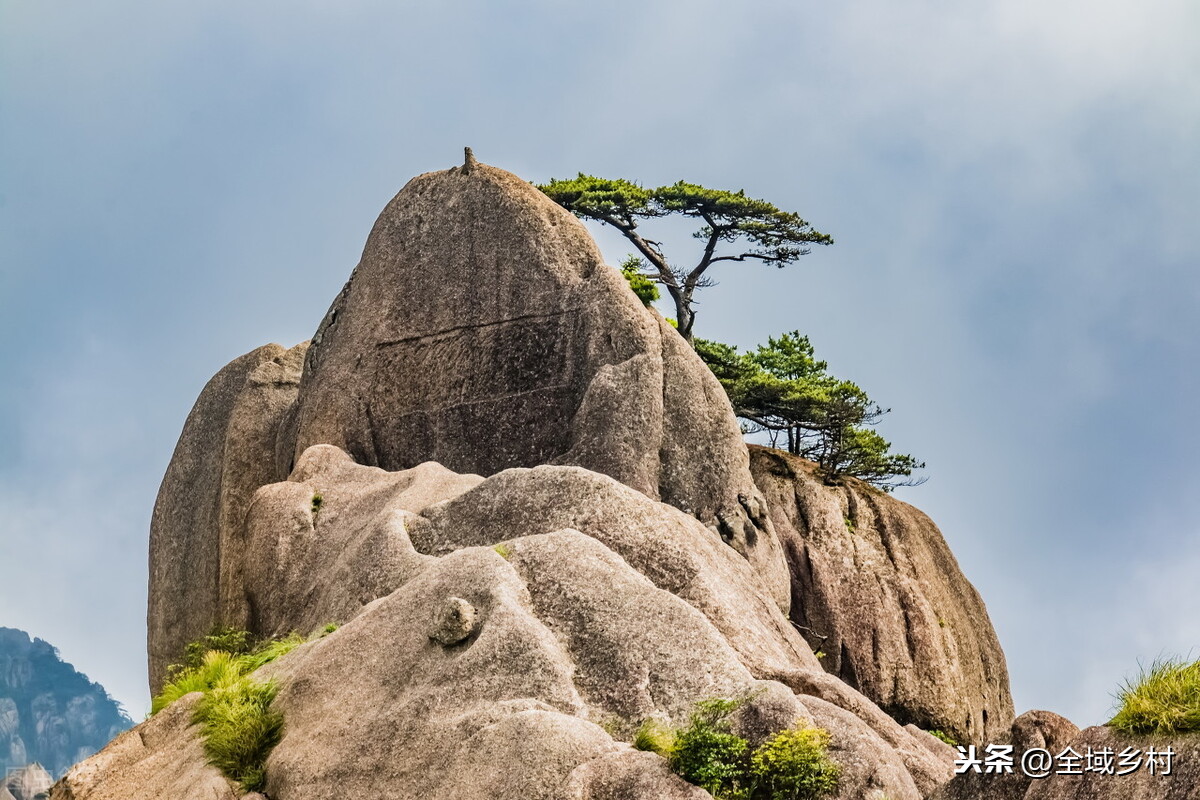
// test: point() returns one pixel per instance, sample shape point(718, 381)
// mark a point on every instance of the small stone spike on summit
point(469, 161)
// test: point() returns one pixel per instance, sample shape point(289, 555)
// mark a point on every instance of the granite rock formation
point(875, 588)
point(226, 451)
point(516, 631)
point(50, 714)
point(529, 502)
point(480, 330)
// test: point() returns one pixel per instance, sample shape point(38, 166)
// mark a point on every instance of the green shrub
point(240, 729)
point(794, 765)
point(317, 501)
point(945, 737)
point(1164, 699)
point(708, 754)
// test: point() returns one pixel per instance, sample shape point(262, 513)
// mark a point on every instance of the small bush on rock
point(225, 640)
point(709, 755)
point(1164, 699)
point(793, 764)
point(943, 736)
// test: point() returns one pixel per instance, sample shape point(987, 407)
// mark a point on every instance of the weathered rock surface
point(1043, 730)
point(375, 529)
point(875, 588)
point(50, 713)
point(482, 330)
point(518, 630)
point(161, 758)
point(226, 451)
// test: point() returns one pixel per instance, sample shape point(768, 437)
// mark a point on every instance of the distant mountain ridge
point(50, 713)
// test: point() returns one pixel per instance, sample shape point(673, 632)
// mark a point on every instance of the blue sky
point(1013, 187)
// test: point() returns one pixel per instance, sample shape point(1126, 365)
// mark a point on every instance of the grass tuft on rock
point(240, 729)
point(1164, 699)
point(945, 737)
point(216, 669)
point(237, 725)
point(655, 736)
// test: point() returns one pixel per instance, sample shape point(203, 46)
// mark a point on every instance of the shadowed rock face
point(876, 589)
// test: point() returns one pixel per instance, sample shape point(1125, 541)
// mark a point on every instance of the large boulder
point(877, 591)
point(482, 330)
point(226, 451)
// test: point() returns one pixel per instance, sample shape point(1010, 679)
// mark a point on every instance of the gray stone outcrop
point(481, 330)
point(226, 451)
point(876, 590)
point(510, 635)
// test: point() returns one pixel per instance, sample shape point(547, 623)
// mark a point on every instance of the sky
point(1012, 186)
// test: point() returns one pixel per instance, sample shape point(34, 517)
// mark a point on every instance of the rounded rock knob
point(453, 622)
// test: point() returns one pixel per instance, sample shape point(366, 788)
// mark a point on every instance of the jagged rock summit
point(482, 330)
point(50, 714)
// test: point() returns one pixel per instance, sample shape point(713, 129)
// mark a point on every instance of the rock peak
point(469, 161)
